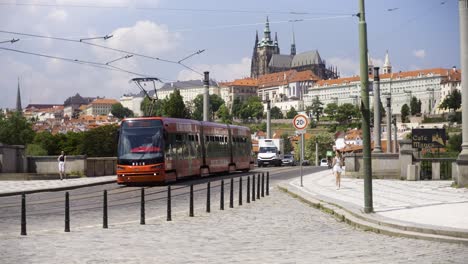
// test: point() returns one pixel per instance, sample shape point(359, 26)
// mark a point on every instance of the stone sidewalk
point(423, 209)
point(8, 188)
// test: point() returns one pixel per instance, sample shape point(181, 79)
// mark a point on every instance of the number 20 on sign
point(300, 122)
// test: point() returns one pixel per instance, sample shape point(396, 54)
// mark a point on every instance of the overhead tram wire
point(195, 10)
point(82, 62)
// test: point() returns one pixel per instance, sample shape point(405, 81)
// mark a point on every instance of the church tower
point(293, 44)
point(387, 67)
point(263, 51)
point(19, 108)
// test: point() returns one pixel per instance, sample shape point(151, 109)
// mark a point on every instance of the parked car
point(289, 160)
point(323, 163)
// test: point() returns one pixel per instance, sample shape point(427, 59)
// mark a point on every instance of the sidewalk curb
point(55, 189)
point(368, 223)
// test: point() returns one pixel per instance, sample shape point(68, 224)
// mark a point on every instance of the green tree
point(35, 150)
point(48, 142)
point(276, 113)
point(405, 111)
point(331, 110)
point(316, 108)
point(325, 142)
point(252, 108)
point(415, 106)
point(287, 143)
point(16, 130)
point(215, 103)
point(150, 108)
point(121, 112)
point(175, 106)
point(454, 143)
point(236, 107)
point(346, 113)
point(101, 141)
point(72, 143)
point(291, 113)
point(223, 114)
point(452, 101)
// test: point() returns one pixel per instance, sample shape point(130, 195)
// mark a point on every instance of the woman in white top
point(337, 168)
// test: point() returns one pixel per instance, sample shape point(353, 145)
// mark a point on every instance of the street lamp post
point(367, 168)
point(206, 95)
point(389, 126)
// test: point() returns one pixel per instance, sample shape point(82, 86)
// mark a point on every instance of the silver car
point(289, 160)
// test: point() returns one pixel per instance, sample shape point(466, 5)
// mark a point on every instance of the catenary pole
point(368, 208)
point(462, 160)
point(206, 95)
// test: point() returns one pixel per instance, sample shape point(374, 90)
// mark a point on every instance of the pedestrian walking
point(61, 165)
point(337, 168)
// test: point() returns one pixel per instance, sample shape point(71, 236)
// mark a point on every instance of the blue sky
point(417, 33)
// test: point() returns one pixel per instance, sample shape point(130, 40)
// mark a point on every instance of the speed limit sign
point(300, 122)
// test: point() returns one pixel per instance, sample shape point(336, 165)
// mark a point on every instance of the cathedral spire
point(18, 99)
point(266, 31)
point(387, 67)
point(293, 45)
point(256, 39)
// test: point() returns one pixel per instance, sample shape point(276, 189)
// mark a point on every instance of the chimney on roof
point(454, 68)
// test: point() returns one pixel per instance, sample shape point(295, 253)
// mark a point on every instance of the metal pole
point(104, 212)
point(316, 153)
point(206, 96)
point(253, 187)
point(377, 115)
point(367, 168)
point(268, 183)
point(23, 214)
point(463, 156)
point(67, 212)
point(240, 190)
point(142, 207)
point(208, 194)
point(389, 124)
point(231, 194)
point(263, 184)
point(302, 155)
point(191, 201)
point(221, 197)
point(395, 141)
point(258, 186)
point(248, 189)
point(268, 119)
point(169, 210)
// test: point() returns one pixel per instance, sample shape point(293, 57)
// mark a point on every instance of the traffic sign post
point(300, 122)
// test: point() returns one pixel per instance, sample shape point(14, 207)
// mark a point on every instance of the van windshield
point(267, 150)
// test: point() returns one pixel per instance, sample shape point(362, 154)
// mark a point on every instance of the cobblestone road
point(275, 229)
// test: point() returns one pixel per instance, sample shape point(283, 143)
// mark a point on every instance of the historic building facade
point(266, 58)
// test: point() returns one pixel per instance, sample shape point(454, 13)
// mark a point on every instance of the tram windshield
point(141, 141)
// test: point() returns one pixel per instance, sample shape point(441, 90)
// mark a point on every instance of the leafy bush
point(35, 150)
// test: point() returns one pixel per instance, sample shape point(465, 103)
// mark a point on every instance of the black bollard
point(258, 186)
point(104, 210)
point(268, 184)
point(240, 190)
point(231, 194)
point(263, 184)
point(208, 202)
point(253, 188)
point(191, 201)
point(67, 212)
point(221, 197)
point(169, 218)
point(248, 189)
point(23, 214)
point(142, 207)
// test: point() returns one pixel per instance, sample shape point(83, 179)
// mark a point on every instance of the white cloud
point(58, 15)
point(144, 37)
point(420, 53)
point(219, 72)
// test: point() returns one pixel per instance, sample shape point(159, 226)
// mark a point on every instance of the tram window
point(178, 138)
point(207, 138)
point(225, 139)
point(216, 139)
point(196, 138)
point(212, 138)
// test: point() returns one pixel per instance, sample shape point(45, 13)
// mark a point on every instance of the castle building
point(266, 58)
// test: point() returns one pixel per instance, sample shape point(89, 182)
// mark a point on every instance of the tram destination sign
point(422, 138)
